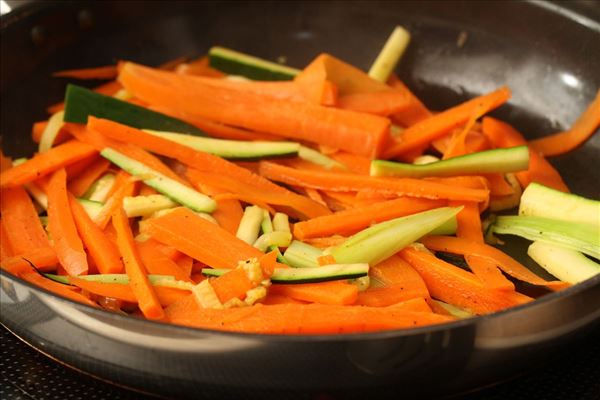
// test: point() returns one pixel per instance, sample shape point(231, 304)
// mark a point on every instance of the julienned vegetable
point(511, 159)
point(134, 212)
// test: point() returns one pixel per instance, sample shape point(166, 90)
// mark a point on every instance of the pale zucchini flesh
point(565, 264)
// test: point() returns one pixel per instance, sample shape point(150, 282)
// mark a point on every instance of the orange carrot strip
point(540, 170)
point(582, 130)
point(416, 111)
point(440, 124)
point(386, 296)
point(45, 163)
point(123, 187)
point(166, 295)
point(334, 292)
point(82, 183)
point(273, 298)
point(380, 103)
point(354, 163)
point(418, 304)
point(349, 182)
point(350, 221)
point(199, 67)
point(356, 132)
point(39, 127)
point(143, 291)
point(396, 271)
point(454, 285)
point(469, 227)
point(102, 250)
point(44, 259)
point(229, 212)
point(305, 206)
point(21, 223)
point(78, 167)
point(67, 243)
point(57, 288)
point(156, 262)
point(106, 72)
point(196, 159)
point(498, 185)
point(218, 248)
point(299, 318)
point(6, 249)
point(233, 284)
point(503, 261)
point(325, 242)
point(458, 142)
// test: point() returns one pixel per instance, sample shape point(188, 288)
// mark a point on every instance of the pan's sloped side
point(546, 54)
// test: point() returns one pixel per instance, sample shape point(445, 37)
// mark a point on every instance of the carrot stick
point(44, 259)
point(218, 248)
point(350, 221)
point(416, 111)
point(166, 295)
point(305, 206)
point(354, 163)
point(386, 296)
point(233, 284)
point(498, 185)
point(469, 227)
point(123, 187)
point(299, 318)
point(324, 242)
point(57, 288)
point(20, 221)
point(440, 124)
point(106, 72)
point(82, 183)
point(199, 67)
point(67, 243)
point(333, 292)
point(229, 212)
point(103, 251)
point(156, 262)
point(396, 272)
point(563, 142)
point(78, 167)
point(454, 285)
point(45, 163)
point(503, 261)
point(358, 133)
point(540, 170)
point(381, 103)
point(273, 298)
point(196, 159)
point(143, 291)
point(418, 304)
point(6, 249)
point(349, 182)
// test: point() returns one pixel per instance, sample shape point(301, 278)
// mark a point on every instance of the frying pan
point(547, 53)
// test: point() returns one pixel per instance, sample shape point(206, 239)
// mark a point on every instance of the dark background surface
point(573, 374)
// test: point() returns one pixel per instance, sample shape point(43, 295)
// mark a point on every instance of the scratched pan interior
point(547, 53)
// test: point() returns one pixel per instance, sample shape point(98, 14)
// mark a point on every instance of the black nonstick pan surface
point(547, 53)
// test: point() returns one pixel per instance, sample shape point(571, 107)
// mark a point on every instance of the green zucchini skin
point(81, 103)
point(510, 159)
point(308, 275)
point(235, 63)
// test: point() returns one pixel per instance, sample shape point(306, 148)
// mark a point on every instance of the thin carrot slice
point(582, 130)
point(106, 72)
point(503, 261)
point(123, 187)
point(233, 284)
point(386, 296)
point(45, 163)
point(67, 243)
point(499, 185)
point(82, 183)
point(102, 250)
point(44, 259)
point(358, 133)
point(454, 285)
point(6, 249)
point(21, 223)
point(78, 167)
point(218, 248)
point(57, 288)
point(416, 111)
point(229, 212)
point(334, 292)
point(540, 170)
point(196, 159)
point(157, 262)
point(143, 291)
point(299, 318)
point(396, 271)
point(440, 124)
point(273, 298)
point(418, 304)
point(349, 182)
point(306, 207)
point(469, 227)
point(199, 67)
point(350, 221)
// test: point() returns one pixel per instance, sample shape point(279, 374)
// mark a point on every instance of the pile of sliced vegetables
point(234, 193)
